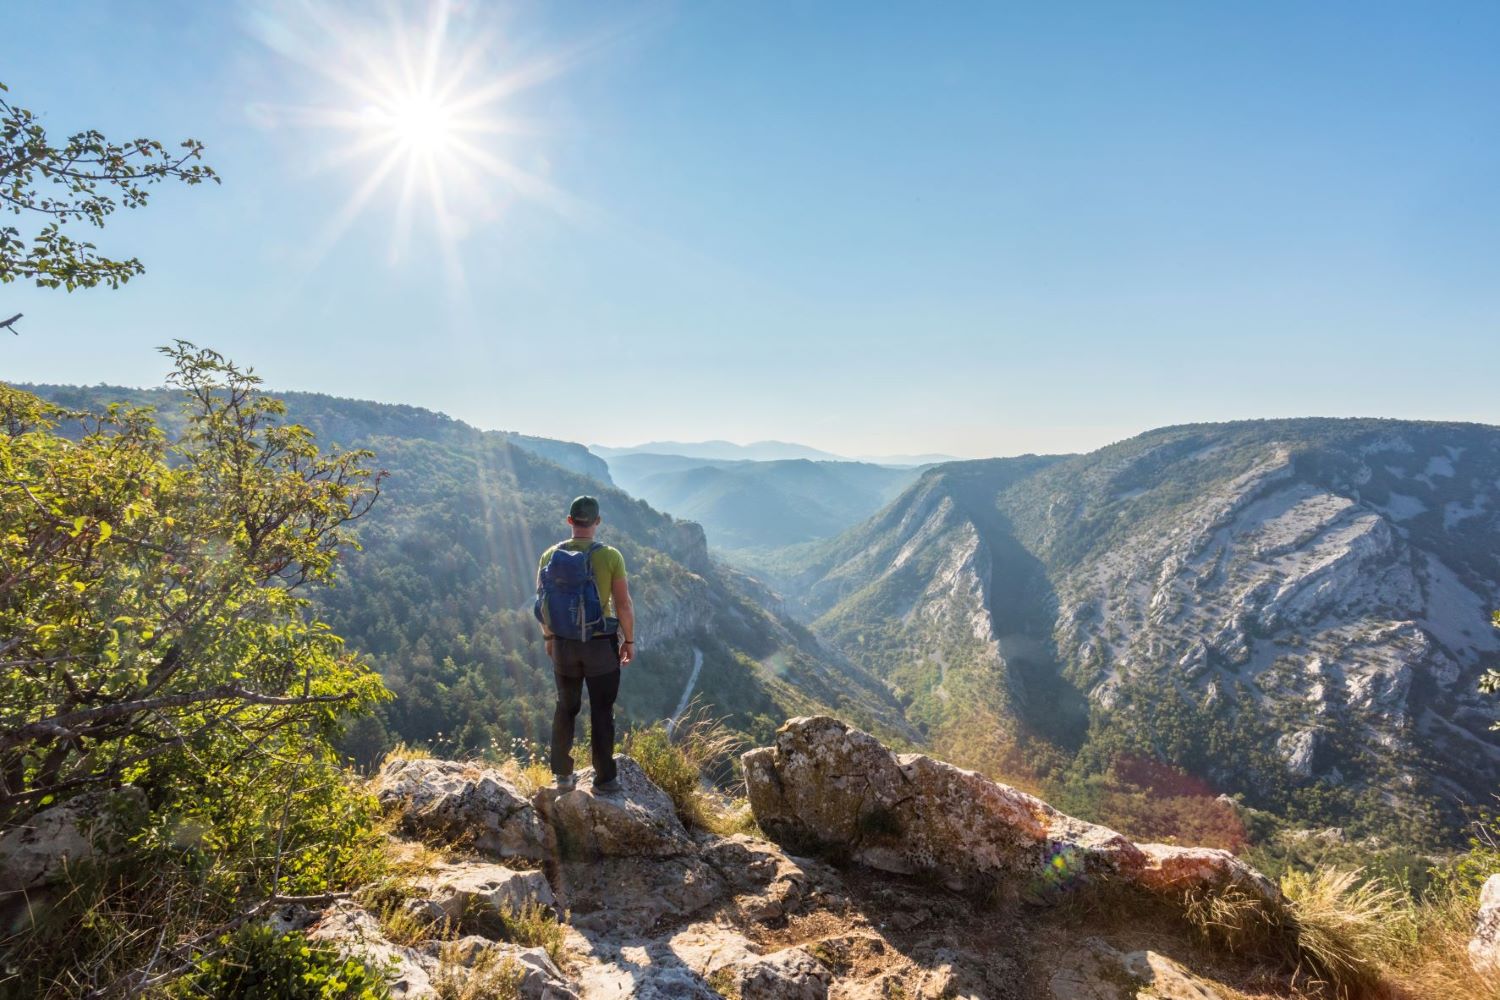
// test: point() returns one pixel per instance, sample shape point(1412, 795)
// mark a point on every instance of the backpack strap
point(588, 563)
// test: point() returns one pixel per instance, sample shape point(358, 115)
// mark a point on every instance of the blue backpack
point(567, 601)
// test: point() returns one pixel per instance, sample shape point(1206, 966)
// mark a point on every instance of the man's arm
point(548, 639)
point(625, 611)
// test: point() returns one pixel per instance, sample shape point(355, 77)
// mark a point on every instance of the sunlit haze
point(975, 229)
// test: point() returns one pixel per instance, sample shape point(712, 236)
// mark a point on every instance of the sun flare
point(420, 123)
point(429, 124)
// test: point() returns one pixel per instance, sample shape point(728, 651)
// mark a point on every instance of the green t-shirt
point(609, 566)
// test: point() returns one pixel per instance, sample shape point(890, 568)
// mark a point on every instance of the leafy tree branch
point(86, 179)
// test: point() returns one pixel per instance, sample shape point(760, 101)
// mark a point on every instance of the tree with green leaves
point(155, 632)
point(85, 179)
point(152, 623)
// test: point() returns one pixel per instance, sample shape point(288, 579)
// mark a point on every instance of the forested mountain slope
point(1294, 609)
point(440, 597)
point(759, 504)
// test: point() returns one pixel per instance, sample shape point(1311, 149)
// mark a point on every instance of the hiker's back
point(575, 598)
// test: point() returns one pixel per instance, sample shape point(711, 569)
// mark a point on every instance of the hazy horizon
point(981, 231)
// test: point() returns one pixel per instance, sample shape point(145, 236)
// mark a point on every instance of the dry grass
point(532, 926)
point(1433, 959)
point(1349, 930)
point(724, 983)
point(677, 764)
point(529, 775)
point(406, 925)
point(1235, 921)
point(1353, 937)
point(494, 975)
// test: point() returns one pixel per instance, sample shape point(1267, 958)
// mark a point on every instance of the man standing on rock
point(583, 603)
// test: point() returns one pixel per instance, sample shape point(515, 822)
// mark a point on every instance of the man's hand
point(548, 643)
point(625, 612)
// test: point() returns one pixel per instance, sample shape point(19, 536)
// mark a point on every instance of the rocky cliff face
point(1316, 593)
point(1333, 581)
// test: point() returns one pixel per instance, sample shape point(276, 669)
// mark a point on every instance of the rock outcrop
point(462, 803)
point(639, 822)
point(1099, 972)
point(825, 785)
point(79, 830)
point(933, 882)
point(417, 972)
point(1484, 946)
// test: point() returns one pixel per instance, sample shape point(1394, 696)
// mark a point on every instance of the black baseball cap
point(585, 509)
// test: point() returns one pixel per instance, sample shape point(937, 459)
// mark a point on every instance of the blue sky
point(873, 228)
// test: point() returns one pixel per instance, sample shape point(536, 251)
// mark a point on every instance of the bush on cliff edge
point(156, 635)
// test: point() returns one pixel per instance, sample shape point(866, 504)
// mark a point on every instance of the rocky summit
point(885, 875)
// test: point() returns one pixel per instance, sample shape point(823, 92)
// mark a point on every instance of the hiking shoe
point(610, 787)
point(565, 782)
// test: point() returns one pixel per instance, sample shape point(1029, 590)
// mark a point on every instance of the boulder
point(39, 850)
point(1171, 870)
point(454, 892)
point(462, 803)
point(1095, 971)
point(1484, 946)
point(826, 785)
point(638, 821)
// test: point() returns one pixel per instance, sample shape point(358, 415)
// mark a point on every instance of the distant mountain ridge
point(1294, 609)
point(759, 451)
point(756, 451)
point(759, 505)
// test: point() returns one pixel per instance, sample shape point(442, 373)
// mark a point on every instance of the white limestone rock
point(790, 974)
point(355, 933)
point(40, 849)
point(825, 784)
point(1099, 972)
point(1484, 946)
point(469, 889)
point(638, 821)
point(463, 803)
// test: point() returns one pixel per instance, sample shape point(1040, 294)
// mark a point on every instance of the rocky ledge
point(886, 875)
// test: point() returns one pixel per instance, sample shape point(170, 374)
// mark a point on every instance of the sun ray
point(427, 95)
point(355, 205)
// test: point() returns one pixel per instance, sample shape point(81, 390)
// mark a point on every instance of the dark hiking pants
point(594, 664)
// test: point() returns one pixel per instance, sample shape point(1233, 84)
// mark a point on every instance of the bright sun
point(421, 123)
point(426, 121)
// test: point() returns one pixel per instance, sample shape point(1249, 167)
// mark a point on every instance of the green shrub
point(159, 635)
point(256, 962)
